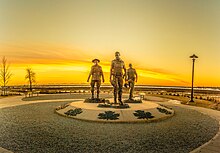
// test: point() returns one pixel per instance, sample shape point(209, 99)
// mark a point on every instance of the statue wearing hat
point(96, 73)
point(116, 77)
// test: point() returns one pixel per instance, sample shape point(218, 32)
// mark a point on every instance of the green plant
point(143, 115)
point(108, 115)
point(162, 110)
point(165, 106)
point(74, 112)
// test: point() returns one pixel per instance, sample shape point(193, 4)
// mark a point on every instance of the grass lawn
point(184, 100)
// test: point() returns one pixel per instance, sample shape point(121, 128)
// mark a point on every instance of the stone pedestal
point(132, 101)
point(109, 112)
point(113, 105)
point(96, 100)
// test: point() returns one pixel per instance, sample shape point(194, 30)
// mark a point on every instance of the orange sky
point(59, 39)
point(53, 69)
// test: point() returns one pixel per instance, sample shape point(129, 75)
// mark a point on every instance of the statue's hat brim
point(96, 60)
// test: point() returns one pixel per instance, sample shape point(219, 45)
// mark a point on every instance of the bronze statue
point(116, 77)
point(131, 77)
point(97, 73)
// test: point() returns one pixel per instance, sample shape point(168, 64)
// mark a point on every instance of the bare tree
point(5, 75)
point(30, 76)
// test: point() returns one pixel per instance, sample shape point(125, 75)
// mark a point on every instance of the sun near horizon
point(59, 39)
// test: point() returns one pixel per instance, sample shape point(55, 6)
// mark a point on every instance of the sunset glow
point(59, 39)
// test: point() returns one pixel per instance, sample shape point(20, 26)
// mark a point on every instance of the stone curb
point(91, 112)
point(197, 150)
point(109, 121)
point(205, 148)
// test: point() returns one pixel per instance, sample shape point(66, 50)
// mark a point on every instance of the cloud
point(23, 53)
point(48, 57)
point(160, 75)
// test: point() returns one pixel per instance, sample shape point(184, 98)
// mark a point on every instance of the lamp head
point(193, 56)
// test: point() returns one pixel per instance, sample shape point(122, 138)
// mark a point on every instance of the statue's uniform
point(117, 82)
point(96, 72)
point(131, 73)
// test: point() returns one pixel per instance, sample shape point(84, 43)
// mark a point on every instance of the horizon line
point(108, 84)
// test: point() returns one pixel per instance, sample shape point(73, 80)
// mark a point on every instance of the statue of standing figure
point(117, 76)
point(96, 73)
point(131, 77)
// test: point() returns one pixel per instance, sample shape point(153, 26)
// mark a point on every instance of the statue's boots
point(93, 95)
point(97, 95)
point(115, 101)
point(119, 97)
point(130, 98)
point(120, 101)
point(115, 96)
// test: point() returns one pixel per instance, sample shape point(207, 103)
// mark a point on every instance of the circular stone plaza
point(66, 123)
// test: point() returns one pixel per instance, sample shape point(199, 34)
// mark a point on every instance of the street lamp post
point(193, 59)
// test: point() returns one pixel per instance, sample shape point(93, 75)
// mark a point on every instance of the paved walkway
point(16, 101)
point(213, 146)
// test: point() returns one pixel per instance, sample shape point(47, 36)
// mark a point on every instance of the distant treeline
point(206, 90)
